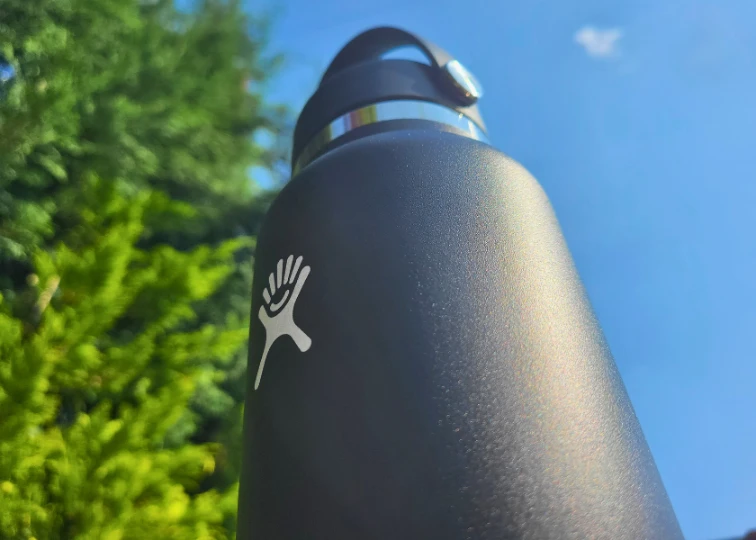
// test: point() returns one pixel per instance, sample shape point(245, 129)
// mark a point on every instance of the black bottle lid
point(358, 78)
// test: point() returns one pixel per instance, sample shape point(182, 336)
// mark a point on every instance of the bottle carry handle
point(370, 45)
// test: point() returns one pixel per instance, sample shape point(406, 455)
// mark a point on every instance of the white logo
point(287, 284)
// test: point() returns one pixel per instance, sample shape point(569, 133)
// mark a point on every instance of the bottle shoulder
point(417, 156)
point(398, 181)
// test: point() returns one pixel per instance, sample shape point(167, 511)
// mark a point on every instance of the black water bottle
point(424, 362)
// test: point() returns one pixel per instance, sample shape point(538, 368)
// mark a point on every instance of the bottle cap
point(361, 87)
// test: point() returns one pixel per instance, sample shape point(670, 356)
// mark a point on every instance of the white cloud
point(599, 43)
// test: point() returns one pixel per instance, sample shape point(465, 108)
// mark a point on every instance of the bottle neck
point(386, 111)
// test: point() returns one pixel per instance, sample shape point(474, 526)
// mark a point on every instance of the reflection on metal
point(382, 112)
point(464, 82)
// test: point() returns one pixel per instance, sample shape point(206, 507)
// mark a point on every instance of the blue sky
point(639, 119)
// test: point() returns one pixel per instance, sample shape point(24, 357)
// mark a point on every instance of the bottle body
point(454, 382)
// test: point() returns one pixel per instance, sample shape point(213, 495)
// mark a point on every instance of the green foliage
point(126, 223)
point(88, 402)
point(136, 92)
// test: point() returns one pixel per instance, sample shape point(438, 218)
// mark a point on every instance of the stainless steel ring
point(382, 112)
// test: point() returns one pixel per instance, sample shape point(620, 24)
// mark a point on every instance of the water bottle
point(424, 362)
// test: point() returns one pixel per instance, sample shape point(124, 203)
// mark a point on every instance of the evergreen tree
point(136, 91)
point(126, 127)
point(97, 374)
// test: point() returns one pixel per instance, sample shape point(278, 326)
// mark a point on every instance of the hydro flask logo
point(284, 284)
